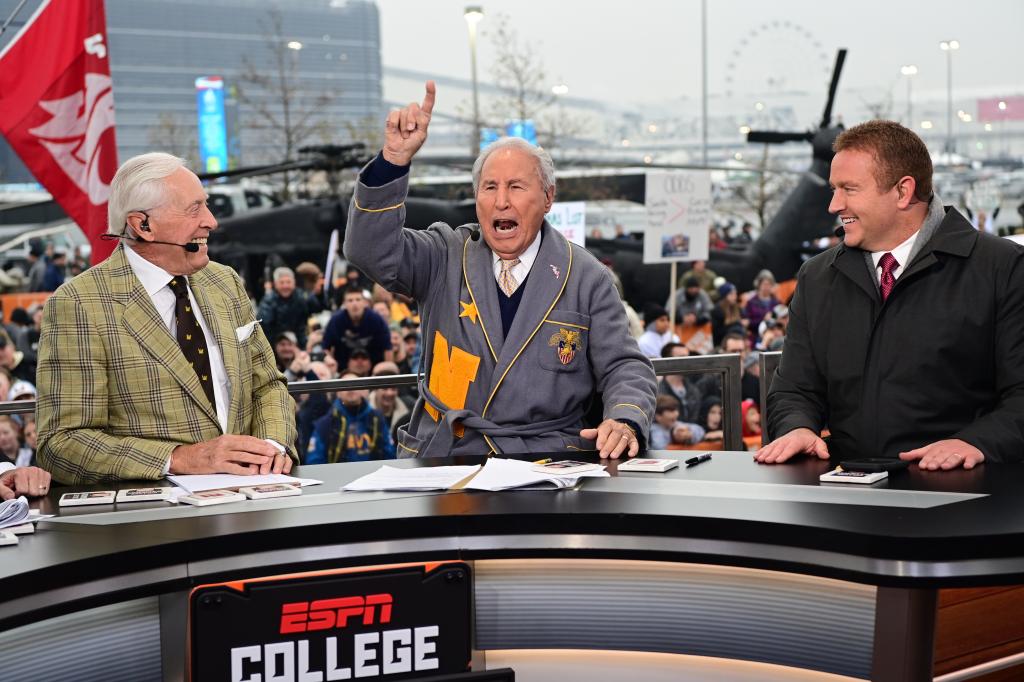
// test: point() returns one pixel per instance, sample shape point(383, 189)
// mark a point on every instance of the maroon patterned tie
point(888, 280)
point(191, 337)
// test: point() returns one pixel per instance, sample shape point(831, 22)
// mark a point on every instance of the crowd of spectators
point(712, 315)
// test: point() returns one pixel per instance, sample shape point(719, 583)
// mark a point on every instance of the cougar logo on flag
point(73, 133)
point(57, 109)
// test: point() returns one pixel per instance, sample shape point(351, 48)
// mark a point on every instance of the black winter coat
point(942, 358)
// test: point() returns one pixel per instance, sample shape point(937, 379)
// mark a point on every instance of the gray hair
point(138, 186)
point(545, 166)
point(283, 272)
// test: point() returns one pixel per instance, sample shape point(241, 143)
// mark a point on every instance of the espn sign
point(391, 622)
point(327, 614)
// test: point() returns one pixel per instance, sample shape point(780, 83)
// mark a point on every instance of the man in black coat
point(906, 340)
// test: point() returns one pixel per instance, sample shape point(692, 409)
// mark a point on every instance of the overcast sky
point(649, 50)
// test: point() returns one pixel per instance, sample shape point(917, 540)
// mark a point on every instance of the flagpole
point(11, 18)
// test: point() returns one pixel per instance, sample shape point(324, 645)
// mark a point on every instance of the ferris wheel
point(777, 56)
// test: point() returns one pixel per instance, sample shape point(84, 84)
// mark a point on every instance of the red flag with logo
point(57, 109)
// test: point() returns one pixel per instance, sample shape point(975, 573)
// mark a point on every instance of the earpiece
point(144, 225)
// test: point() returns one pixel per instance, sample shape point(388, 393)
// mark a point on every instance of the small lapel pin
point(558, 275)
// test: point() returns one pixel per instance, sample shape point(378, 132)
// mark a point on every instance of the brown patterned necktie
point(506, 280)
point(887, 281)
point(191, 337)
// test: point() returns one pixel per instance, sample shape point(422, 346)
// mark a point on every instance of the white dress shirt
point(901, 253)
point(154, 280)
point(526, 259)
point(5, 467)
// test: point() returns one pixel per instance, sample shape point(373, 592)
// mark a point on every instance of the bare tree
point(289, 113)
point(525, 84)
point(172, 136)
point(765, 195)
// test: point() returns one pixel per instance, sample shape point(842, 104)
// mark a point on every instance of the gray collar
point(936, 214)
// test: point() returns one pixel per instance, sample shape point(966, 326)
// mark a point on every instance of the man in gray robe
point(520, 328)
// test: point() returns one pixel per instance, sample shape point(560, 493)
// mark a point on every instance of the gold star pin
point(205, 378)
point(469, 310)
point(200, 351)
point(188, 337)
point(187, 309)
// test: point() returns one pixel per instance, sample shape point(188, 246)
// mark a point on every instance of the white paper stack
point(416, 479)
point(13, 512)
point(506, 474)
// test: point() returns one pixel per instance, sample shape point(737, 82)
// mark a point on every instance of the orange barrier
point(21, 300)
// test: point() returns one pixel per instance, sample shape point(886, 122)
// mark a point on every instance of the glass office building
point(158, 48)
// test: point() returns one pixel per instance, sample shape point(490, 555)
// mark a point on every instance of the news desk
point(727, 563)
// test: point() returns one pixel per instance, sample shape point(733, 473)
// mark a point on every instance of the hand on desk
point(795, 442)
point(945, 454)
point(30, 481)
point(613, 439)
point(230, 454)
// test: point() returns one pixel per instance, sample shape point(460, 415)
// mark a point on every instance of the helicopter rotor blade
point(775, 137)
point(826, 118)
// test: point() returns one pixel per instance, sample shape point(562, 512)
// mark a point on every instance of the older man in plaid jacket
point(152, 362)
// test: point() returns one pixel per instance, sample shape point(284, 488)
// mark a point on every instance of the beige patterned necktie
point(506, 280)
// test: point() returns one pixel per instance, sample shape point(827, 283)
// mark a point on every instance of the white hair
point(545, 166)
point(138, 186)
point(283, 271)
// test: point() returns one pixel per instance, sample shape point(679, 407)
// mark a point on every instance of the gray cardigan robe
point(483, 393)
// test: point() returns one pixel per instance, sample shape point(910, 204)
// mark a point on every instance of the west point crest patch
point(567, 342)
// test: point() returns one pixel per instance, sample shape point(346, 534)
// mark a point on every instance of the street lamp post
point(473, 14)
point(948, 46)
point(909, 71)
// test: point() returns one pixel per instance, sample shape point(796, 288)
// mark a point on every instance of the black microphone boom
point(191, 247)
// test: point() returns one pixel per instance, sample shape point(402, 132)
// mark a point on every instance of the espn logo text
point(326, 614)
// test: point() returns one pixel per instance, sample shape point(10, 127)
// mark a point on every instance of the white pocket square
point(245, 331)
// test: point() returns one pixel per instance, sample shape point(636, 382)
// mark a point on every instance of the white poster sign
point(678, 215)
point(569, 218)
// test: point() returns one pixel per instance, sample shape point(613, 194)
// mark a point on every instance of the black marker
point(698, 459)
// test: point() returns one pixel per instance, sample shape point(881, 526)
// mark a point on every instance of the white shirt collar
point(901, 253)
point(526, 259)
point(153, 277)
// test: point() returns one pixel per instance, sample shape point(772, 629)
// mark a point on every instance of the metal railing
point(728, 367)
point(769, 364)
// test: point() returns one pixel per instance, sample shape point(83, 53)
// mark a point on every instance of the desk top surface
point(918, 528)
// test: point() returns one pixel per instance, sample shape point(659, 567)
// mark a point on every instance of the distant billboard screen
point(1001, 109)
point(213, 135)
point(523, 128)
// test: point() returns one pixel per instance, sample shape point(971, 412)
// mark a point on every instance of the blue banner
point(523, 128)
point(213, 136)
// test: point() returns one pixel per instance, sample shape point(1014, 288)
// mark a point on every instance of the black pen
point(698, 459)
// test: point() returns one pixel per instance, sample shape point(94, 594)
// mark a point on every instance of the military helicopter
point(255, 241)
point(802, 218)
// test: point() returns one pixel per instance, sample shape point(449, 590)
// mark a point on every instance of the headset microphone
point(190, 247)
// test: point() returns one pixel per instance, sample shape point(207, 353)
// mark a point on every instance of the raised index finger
point(428, 99)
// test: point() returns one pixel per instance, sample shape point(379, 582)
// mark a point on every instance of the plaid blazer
point(116, 395)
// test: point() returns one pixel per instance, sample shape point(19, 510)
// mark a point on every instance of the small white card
point(144, 495)
point(259, 492)
point(840, 476)
point(7, 538)
point(207, 497)
point(95, 497)
point(644, 464)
